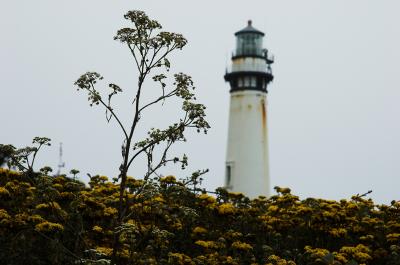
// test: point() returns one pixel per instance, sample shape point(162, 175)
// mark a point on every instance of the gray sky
point(333, 106)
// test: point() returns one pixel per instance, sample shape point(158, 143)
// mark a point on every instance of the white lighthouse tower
point(247, 167)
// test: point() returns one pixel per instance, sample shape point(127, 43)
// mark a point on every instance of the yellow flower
point(4, 216)
point(304, 209)
point(109, 211)
point(49, 227)
point(179, 259)
point(50, 205)
point(103, 178)
point(367, 238)
point(393, 237)
point(134, 182)
point(177, 225)
point(360, 253)
point(316, 253)
point(168, 179)
point(4, 192)
point(158, 199)
point(226, 208)
point(276, 260)
point(58, 187)
point(229, 260)
point(67, 195)
point(352, 206)
point(36, 218)
point(273, 208)
point(42, 206)
point(241, 245)
point(104, 250)
point(97, 228)
point(362, 257)
point(338, 232)
point(340, 257)
point(207, 198)
point(199, 230)
point(206, 244)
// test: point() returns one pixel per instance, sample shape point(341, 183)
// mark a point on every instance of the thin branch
point(34, 156)
point(133, 54)
point(172, 93)
point(162, 57)
point(147, 48)
point(153, 57)
point(151, 170)
point(363, 195)
point(152, 143)
point(162, 160)
point(109, 108)
point(27, 163)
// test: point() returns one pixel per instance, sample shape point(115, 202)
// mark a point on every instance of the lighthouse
point(247, 166)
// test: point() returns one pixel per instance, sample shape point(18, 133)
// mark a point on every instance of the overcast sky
point(333, 108)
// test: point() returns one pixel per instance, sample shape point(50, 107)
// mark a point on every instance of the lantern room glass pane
point(249, 44)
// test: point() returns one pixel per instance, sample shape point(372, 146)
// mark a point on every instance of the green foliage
point(58, 220)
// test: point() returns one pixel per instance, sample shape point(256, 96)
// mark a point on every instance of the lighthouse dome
point(249, 41)
point(249, 29)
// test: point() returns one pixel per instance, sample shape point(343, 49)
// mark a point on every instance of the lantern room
point(249, 41)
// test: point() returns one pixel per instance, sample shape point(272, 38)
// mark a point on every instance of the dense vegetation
point(59, 220)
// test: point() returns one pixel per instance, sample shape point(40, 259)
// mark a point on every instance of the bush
point(58, 220)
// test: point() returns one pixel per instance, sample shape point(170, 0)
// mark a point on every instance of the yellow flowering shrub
point(57, 219)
